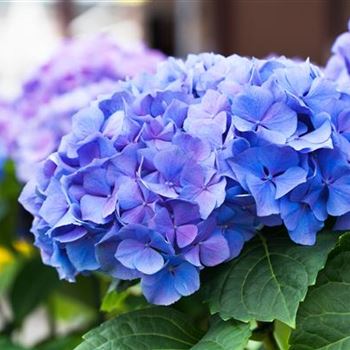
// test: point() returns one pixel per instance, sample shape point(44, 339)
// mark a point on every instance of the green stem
point(97, 297)
point(270, 342)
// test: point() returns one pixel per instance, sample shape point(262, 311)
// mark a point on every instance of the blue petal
point(186, 279)
point(290, 179)
point(55, 205)
point(87, 122)
point(264, 193)
point(82, 254)
point(148, 261)
point(95, 183)
point(91, 208)
point(127, 252)
point(105, 251)
point(342, 223)
point(160, 288)
point(339, 193)
point(169, 163)
point(252, 104)
point(319, 138)
point(281, 118)
point(235, 241)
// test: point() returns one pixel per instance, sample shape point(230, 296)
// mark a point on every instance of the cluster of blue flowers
point(176, 171)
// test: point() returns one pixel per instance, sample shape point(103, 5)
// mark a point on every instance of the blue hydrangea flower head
point(78, 72)
point(176, 170)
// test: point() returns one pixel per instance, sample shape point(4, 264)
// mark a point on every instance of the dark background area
point(31, 30)
point(296, 28)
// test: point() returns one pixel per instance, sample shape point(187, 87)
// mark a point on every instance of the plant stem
point(270, 342)
point(97, 296)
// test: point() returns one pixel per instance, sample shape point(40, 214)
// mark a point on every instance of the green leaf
point(67, 309)
point(32, 285)
point(6, 344)
point(323, 320)
point(119, 301)
point(9, 192)
point(148, 329)
point(8, 275)
point(65, 343)
point(225, 336)
point(268, 280)
point(114, 301)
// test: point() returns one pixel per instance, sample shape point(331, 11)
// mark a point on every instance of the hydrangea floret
point(177, 170)
point(78, 72)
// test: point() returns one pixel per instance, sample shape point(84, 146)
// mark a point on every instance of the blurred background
point(30, 30)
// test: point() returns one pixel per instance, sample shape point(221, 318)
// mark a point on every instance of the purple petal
point(129, 194)
point(92, 208)
point(342, 223)
point(192, 256)
point(214, 250)
point(185, 235)
point(281, 118)
point(134, 216)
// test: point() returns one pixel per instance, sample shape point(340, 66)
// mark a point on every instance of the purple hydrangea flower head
point(80, 70)
point(176, 170)
point(338, 66)
point(8, 127)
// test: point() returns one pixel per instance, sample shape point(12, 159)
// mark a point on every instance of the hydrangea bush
point(176, 171)
point(78, 72)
